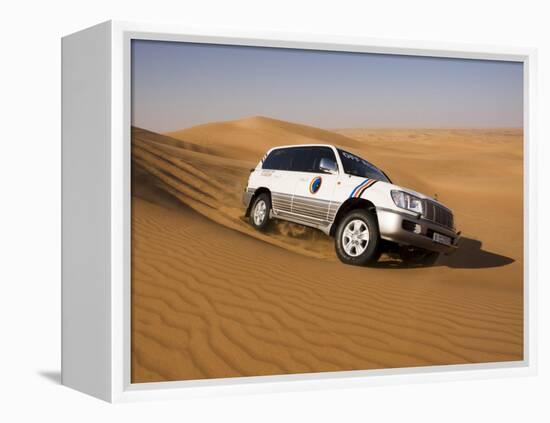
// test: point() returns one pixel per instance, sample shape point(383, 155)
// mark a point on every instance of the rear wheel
point(358, 239)
point(259, 213)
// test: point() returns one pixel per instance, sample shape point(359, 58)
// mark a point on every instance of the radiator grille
point(438, 214)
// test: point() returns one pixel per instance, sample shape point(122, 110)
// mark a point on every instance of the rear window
point(278, 160)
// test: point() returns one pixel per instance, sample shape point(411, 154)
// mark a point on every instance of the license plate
point(442, 239)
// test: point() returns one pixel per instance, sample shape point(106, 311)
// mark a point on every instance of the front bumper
point(408, 229)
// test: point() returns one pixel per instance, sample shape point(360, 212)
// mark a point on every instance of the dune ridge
point(246, 138)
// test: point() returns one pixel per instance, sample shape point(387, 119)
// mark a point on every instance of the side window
point(298, 159)
point(301, 159)
point(278, 160)
point(318, 153)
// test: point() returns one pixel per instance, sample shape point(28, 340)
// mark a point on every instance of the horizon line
point(335, 128)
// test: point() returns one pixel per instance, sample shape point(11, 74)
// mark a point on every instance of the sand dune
point(250, 138)
point(216, 194)
point(213, 298)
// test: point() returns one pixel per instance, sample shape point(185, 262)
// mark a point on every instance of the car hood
point(390, 186)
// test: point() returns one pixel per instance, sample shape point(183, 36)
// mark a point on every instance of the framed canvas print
point(254, 212)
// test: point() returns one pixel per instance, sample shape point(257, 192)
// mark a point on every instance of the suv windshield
point(354, 165)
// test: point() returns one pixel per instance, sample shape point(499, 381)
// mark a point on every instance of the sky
point(178, 85)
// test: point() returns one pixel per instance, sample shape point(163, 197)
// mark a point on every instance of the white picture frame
point(96, 120)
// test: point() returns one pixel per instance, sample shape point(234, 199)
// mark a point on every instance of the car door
point(314, 187)
point(277, 176)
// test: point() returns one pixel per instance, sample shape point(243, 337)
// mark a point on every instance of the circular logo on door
point(315, 184)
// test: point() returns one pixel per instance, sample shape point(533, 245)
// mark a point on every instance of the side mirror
point(328, 166)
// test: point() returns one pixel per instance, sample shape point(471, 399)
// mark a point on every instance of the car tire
point(259, 212)
point(418, 257)
point(358, 238)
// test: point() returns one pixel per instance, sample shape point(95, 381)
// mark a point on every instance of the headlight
point(407, 201)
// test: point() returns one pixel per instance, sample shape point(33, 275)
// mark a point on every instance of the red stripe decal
point(362, 189)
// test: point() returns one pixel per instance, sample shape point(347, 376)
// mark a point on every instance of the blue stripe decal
point(355, 189)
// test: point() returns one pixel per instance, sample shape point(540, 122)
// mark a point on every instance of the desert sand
point(212, 298)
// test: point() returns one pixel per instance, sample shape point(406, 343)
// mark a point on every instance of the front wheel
point(259, 213)
point(358, 238)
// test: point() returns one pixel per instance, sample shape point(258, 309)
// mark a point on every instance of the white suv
point(345, 196)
